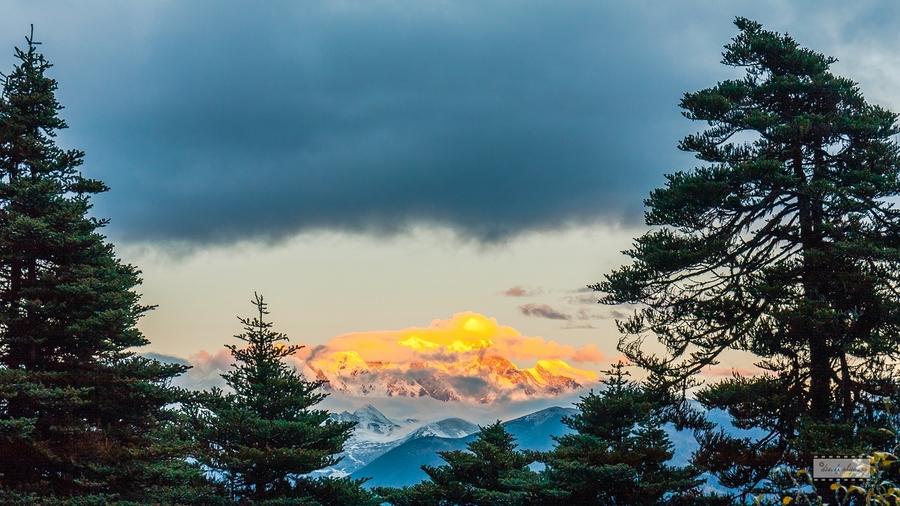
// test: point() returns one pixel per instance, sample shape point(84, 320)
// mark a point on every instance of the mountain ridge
point(375, 434)
point(483, 379)
point(401, 464)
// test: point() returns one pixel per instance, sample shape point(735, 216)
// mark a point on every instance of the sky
point(382, 165)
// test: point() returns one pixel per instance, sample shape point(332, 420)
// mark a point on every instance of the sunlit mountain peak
point(468, 357)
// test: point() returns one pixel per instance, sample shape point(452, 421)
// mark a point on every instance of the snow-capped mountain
point(376, 434)
point(450, 427)
point(369, 421)
point(391, 452)
point(401, 464)
point(482, 379)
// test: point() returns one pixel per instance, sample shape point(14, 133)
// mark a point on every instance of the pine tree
point(80, 414)
point(784, 245)
point(491, 472)
point(618, 452)
point(262, 436)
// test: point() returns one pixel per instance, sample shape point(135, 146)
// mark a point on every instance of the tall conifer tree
point(784, 244)
point(80, 414)
point(263, 435)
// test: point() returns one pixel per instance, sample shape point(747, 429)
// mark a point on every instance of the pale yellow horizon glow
point(320, 285)
point(323, 285)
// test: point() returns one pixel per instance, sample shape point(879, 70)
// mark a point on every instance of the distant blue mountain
point(402, 465)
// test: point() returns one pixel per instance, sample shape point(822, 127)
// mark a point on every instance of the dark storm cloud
point(221, 121)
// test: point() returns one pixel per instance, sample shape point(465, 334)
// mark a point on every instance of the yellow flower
point(787, 500)
point(856, 490)
point(834, 486)
point(882, 460)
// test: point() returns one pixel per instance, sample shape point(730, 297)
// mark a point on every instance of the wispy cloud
point(577, 325)
point(588, 314)
point(543, 311)
point(520, 291)
point(582, 299)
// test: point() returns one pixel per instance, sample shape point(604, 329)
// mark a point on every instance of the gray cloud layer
point(220, 121)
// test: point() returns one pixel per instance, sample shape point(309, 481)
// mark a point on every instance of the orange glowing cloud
point(466, 357)
point(464, 333)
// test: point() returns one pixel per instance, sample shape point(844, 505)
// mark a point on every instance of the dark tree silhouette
point(80, 414)
point(785, 244)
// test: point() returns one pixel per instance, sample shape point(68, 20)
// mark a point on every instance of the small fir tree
point(81, 416)
point(259, 439)
point(618, 454)
point(491, 472)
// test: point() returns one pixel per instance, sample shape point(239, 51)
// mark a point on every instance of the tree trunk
point(816, 336)
point(819, 379)
point(846, 389)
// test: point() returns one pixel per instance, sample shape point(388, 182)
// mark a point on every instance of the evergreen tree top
point(266, 434)
point(259, 376)
point(29, 121)
point(614, 413)
point(262, 341)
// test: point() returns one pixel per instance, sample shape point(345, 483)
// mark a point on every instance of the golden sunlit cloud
point(468, 357)
point(463, 333)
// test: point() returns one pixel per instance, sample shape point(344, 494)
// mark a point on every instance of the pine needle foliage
point(618, 452)
point(491, 471)
point(260, 438)
point(82, 418)
point(784, 244)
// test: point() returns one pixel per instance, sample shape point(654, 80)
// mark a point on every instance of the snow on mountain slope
point(469, 358)
point(369, 422)
point(481, 379)
point(401, 465)
point(376, 434)
point(450, 428)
